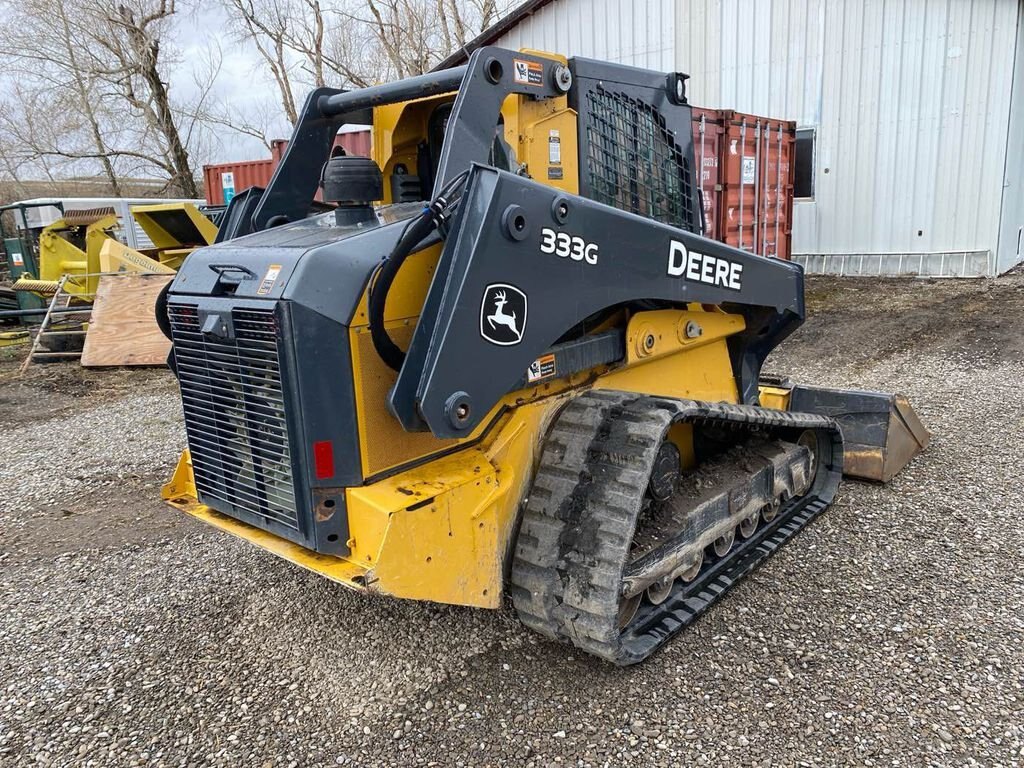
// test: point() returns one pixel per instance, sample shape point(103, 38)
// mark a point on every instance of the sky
point(241, 84)
point(244, 90)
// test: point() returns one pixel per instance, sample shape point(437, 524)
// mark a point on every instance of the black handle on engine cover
point(223, 270)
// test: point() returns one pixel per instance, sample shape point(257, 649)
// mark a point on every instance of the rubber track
point(582, 510)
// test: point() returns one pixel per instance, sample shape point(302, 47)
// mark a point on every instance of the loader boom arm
point(525, 263)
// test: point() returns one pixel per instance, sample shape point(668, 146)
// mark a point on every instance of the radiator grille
point(633, 161)
point(235, 416)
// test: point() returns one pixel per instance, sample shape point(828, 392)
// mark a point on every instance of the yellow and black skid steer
point(504, 362)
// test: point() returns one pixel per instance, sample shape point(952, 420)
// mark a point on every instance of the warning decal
point(554, 148)
point(269, 279)
point(541, 368)
point(527, 72)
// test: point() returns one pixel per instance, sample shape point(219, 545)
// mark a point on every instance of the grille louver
point(235, 417)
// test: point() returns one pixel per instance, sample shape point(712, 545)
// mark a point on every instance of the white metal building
point(912, 111)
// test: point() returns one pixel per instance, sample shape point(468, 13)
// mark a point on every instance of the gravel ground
point(889, 633)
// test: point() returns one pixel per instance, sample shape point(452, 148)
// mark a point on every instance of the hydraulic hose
point(416, 231)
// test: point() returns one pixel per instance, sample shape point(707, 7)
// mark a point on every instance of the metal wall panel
point(635, 32)
point(1011, 232)
point(910, 100)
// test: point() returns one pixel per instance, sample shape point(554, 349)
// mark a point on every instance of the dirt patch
point(107, 519)
point(98, 513)
point(46, 390)
point(874, 319)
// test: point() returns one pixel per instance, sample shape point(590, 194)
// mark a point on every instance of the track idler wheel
point(627, 609)
point(658, 593)
point(665, 474)
point(723, 543)
point(809, 440)
point(691, 573)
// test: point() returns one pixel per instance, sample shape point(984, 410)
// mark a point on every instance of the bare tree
point(266, 27)
point(416, 35)
point(126, 54)
point(90, 84)
point(306, 44)
point(43, 48)
point(102, 86)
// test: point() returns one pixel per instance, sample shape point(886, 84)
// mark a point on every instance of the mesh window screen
point(633, 161)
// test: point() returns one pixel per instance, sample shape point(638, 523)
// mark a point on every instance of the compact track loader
point(503, 361)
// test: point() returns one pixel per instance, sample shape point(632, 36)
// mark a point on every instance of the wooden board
point(123, 329)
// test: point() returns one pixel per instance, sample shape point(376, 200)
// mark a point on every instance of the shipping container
point(707, 151)
point(238, 177)
point(746, 179)
point(756, 175)
point(355, 140)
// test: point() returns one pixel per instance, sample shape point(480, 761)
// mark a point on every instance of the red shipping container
point(746, 178)
point(257, 173)
point(250, 173)
point(358, 143)
point(707, 152)
point(757, 174)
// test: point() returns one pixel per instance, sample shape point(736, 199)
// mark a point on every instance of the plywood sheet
point(123, 329)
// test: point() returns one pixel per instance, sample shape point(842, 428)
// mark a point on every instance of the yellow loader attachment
point(71, 246)
point(118, 257)
point(176, 229)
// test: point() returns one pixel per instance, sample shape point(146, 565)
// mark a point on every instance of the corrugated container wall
point(908, 101)
point(708, 143)
point(746, 179)
point(756, 207)
point(250, 173)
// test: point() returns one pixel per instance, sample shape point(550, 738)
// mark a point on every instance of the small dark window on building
point(804, 185)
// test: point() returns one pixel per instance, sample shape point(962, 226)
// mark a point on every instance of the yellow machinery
point(175, 229)
point(507, 364)
point(71, 246)
point(76, 250)
point(13, 338)
point(82, 245)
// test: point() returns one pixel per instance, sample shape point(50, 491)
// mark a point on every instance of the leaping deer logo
point(500, 317)
point(497, 316)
